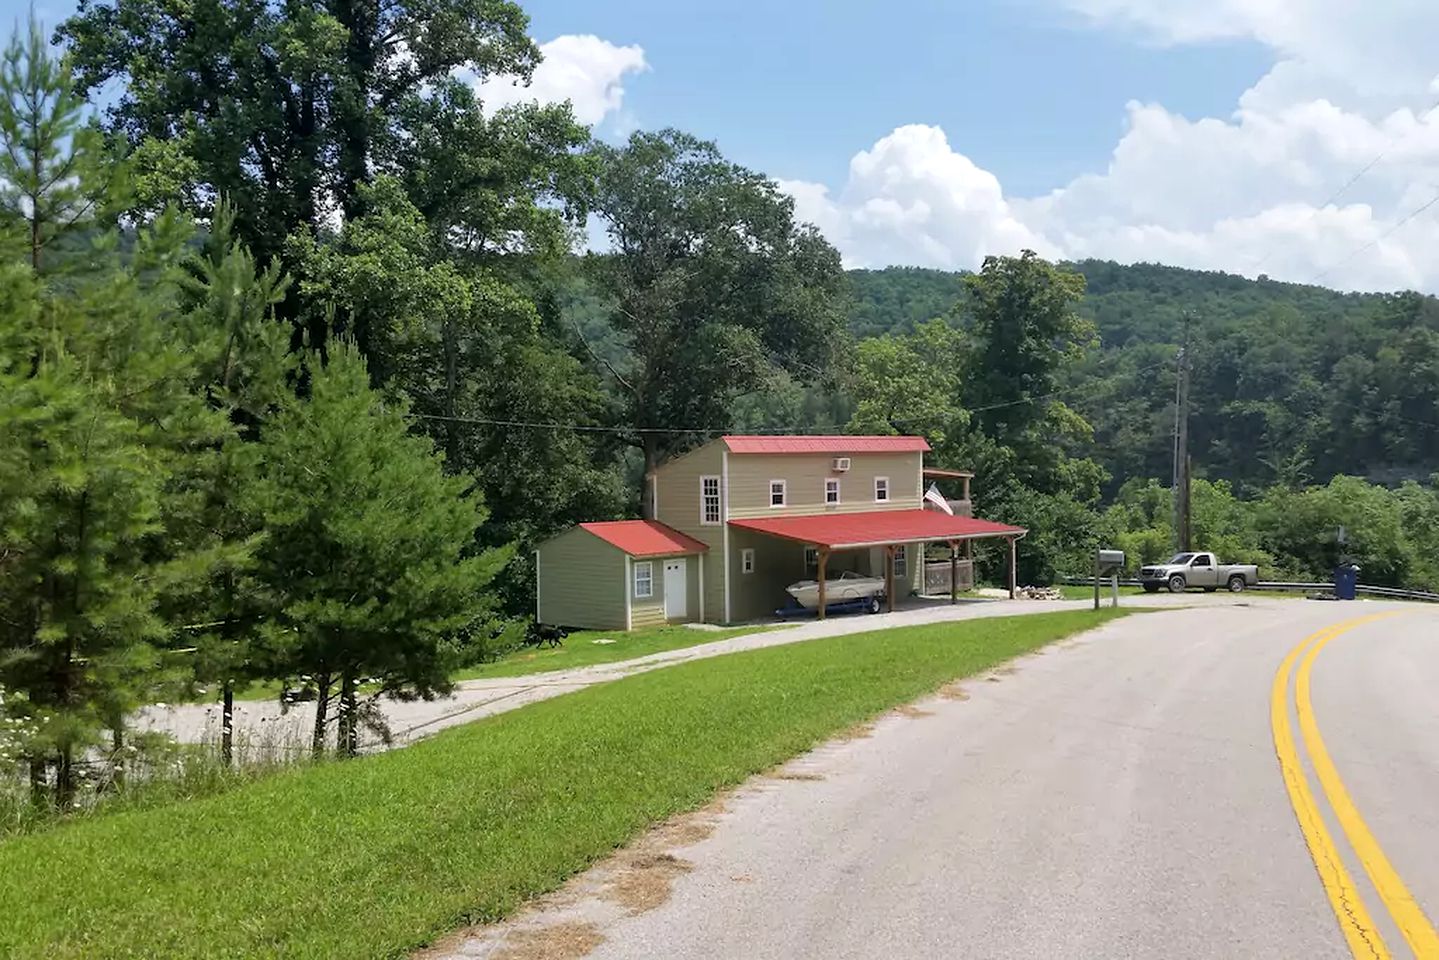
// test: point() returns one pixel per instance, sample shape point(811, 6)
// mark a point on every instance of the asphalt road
point(1119, 795)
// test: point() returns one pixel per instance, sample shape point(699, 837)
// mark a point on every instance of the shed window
point(644, 580)
point(831, 490)
point(776, 493)
point(746, 561)
point(901, 562)
point(709, 500)
point(881, 489)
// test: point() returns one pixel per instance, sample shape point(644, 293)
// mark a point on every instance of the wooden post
point(1013, 573)
point(823, 562)
point(954, 571)
point(889, 576)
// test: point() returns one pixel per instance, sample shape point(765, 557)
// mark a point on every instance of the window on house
point(709, 500)
point(831, 490)
point(901, 562)
point(776, 493)
point(881, 489)
point(746, 561)
point(811, 559)
point(644, 580)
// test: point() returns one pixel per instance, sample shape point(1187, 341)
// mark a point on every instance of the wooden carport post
point(889, 576)
point(954, 571)
point(823, 562)
point(1013, 587)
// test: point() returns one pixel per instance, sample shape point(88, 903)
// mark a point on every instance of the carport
point(828, 533)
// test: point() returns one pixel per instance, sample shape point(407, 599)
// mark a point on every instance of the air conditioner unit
point(840, 464)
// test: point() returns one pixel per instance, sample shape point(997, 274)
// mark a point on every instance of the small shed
point(618, 575)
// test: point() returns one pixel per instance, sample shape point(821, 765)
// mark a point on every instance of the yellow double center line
point(1359, 930)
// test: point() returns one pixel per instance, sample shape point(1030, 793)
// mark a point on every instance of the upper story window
point(709, 500)
point(881, 489)
point(831, 490)
point(776, 493)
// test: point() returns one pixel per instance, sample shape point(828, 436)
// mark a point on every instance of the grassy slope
point(376, 856)
point(580, 650)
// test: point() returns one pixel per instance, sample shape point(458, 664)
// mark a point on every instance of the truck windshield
point(1180, 558)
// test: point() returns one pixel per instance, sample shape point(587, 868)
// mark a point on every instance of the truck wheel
point(1176, 583)
point(1237, 584)
point(1151, 588)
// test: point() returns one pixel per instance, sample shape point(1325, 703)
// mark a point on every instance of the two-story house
point(739, 519)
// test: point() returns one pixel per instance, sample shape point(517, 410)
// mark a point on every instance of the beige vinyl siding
point(650, 611)
point(580, 582)
point(805, 474)
point(679, 507)
point(777, 564)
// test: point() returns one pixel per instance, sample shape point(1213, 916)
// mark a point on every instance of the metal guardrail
point(1391, 593)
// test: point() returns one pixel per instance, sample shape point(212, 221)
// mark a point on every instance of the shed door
point(676, 590)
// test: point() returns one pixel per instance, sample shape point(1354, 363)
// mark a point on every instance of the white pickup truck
point(1185, 570)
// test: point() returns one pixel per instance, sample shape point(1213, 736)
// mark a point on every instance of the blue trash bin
point(1346, 579)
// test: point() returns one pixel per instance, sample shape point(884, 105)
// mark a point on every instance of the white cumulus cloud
point(584, 69)
point(1288, 184)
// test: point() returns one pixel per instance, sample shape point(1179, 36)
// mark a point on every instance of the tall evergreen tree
point(370, 550)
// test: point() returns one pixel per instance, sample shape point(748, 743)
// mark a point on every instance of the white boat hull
point(844, 589)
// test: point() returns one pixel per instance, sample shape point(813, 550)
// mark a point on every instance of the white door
point(676, 590)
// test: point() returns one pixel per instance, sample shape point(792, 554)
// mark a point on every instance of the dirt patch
point(952, 691)
point(798, 775)
point(1008, 670)
point(992, 679)
point(911, 711)
point(562, 941)
point(860, 731)
point(643, 881)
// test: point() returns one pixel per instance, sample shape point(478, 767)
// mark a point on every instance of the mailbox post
point(1108, 562)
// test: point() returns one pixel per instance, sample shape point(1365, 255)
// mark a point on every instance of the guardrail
point(1391, 593)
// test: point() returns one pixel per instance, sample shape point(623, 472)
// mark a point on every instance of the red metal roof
point(644, 538)
point(843, 531)
point(838, 443)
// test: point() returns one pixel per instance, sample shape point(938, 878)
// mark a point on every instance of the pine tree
point(101, 427)
point(369, 551)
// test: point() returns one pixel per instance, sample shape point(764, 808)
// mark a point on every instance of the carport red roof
point(845, 531)
point(644, 538)
point(840, 443)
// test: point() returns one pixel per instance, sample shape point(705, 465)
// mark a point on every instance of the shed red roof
point(845, 531)
point(644, 538)
point(839, 443)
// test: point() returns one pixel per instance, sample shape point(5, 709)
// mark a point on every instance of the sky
point(1294, 138)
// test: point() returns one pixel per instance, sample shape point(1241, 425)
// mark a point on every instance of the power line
point(759, 431)
point(1373, 243)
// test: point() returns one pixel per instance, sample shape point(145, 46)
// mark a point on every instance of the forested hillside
point(1291, 383)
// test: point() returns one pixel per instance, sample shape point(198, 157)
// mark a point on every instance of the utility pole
point(1182, 461)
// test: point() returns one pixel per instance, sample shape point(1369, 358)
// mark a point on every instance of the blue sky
point(1294, 138)
point(1030, 92)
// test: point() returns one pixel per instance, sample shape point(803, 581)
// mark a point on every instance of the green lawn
point(1074, 592)
point(376, 856)
point(580, 649)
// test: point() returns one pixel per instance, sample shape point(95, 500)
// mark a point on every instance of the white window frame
point(878, 481)
point(746, 560)
point(811, 564)
point(901, 560)
point(827, 481)
point(783, 494)
point(718, 502)
point(648, 579)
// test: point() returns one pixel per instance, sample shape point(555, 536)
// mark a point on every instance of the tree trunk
point(227, 724)
point(39, 783)
point(117, 755)
point(322, 710)
point(65, 778)
point(348, 743)
point(650, 444)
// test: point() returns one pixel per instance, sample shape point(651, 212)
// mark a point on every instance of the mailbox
point(1108, 563)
